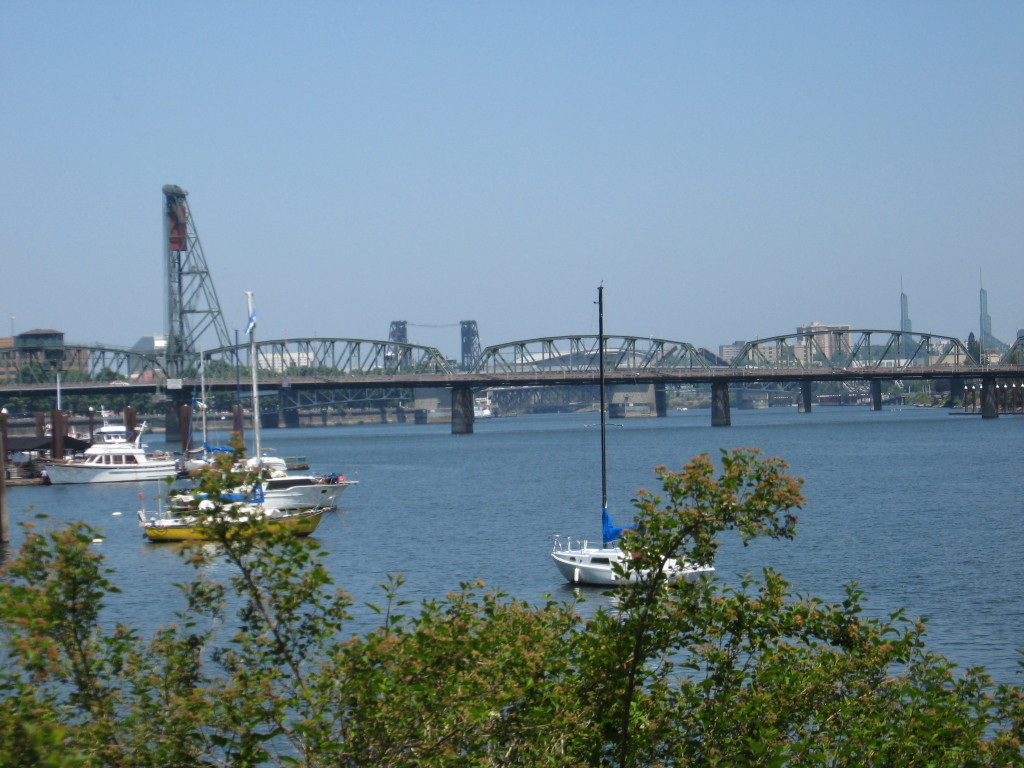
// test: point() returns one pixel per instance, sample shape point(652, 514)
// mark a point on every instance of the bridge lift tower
point(192, 304)
point(470, 344)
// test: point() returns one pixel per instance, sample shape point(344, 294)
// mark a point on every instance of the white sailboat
point(581, 562)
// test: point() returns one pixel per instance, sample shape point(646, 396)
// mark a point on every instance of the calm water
point(922, 508)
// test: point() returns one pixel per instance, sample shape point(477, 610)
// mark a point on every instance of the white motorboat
point(281, 491)
point(304, 491)
point(115, 456)
point(581, 562)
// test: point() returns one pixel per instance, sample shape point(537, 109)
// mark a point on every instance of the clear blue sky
point(729, 170)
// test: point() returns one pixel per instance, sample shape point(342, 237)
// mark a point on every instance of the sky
point(727, 170)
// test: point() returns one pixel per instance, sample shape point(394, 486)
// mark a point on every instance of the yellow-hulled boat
point(198, 528)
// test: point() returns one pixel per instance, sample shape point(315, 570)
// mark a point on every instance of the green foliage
point(260, 669)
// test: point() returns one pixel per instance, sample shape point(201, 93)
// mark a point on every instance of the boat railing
point(566, 543)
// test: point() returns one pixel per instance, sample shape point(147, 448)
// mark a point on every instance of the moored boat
point(279, 491)
point(583, 563)
point(115, 456)
point(204, 523)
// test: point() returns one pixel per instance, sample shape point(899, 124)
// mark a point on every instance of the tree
point(259, 670)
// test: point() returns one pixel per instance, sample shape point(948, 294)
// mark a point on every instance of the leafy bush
point(679, 674)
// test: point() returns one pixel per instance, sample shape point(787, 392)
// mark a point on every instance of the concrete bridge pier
point(462, 410)
point(805, 397)
point(875, 385)
point(660, 401)
point(956, 393)
point(176, 400)
point(720, 416)
point(989, 398)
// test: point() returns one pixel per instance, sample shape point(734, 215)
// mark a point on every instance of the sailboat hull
point(595, 566)
point(193, 529)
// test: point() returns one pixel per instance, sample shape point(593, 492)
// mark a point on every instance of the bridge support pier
point(660, 401)
point(720, 416)
point(172, 416)
point(875, 385)
point(805, 397)
point(462, 410)
point(956, 393)
point(989, 398)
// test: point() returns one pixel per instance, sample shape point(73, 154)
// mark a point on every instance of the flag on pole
point(252, 323)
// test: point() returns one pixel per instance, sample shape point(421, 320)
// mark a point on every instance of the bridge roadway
point(464, 384)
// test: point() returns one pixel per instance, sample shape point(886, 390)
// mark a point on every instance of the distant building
point(989, 343)
point(7, 366)
point(148, 345)
point(43, 347)
point(828, 344)
point(728, 351)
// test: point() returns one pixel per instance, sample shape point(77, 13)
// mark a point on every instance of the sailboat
point(201, 524)
point(581, 562)
point(202, 457)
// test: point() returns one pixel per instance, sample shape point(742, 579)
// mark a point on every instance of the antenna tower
point(192, 304)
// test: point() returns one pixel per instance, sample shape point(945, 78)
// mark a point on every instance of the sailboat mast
point(255, 387)
point(202, 392)
point(604, 420)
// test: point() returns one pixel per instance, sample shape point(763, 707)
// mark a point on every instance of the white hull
point(284, 492)
point(302, 494)
point(594, 566)
point(64, 474)
point(114, 457)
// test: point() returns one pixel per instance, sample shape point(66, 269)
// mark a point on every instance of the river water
point(922, 508)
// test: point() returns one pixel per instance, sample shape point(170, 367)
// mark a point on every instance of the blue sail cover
point(609, 532)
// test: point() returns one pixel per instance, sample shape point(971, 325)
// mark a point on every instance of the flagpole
point(255, 387)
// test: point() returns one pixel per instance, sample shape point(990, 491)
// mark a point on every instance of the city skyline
point(726, 170)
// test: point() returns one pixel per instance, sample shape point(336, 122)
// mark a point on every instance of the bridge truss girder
point(336, 357)
point(1015, 354)
point(581, 353)
point(38, 365)
point(853, 348)
point(317, 399)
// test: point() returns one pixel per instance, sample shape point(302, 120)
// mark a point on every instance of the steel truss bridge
point(313, 372)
